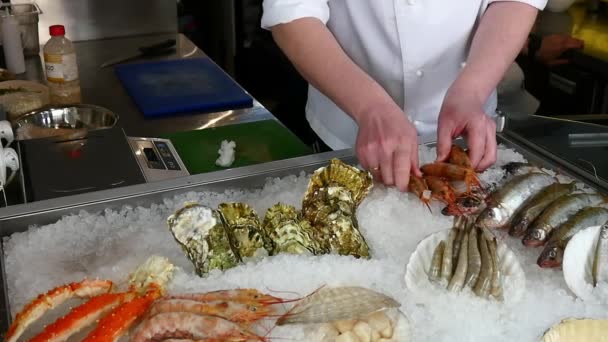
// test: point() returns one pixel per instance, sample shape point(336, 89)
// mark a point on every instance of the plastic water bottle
point(61, 68)
point(12, 45)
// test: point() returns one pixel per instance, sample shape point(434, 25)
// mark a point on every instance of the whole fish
point(507, 200)
point(557, 213)
point(600, 262)
point(537, 204)
point(553, 253)
point(519, 168)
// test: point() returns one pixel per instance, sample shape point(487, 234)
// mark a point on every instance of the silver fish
point(537, 204)
point(600, 262)
point(557, 213)
point(507, 200)
point(553, 253)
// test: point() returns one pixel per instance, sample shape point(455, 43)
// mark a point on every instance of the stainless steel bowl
point(63, 120)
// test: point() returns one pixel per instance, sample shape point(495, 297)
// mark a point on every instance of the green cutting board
point(256, 142)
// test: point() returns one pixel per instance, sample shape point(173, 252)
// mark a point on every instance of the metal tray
point(19, 218)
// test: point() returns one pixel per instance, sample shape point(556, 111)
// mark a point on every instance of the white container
point(61, 68)
point(12, 44)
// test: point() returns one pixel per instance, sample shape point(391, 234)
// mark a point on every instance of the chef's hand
point(462, 115)
point(387, 145)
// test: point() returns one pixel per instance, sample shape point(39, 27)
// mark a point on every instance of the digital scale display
point(157, 158)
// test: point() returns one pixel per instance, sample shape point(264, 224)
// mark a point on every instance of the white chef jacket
point(414, 49)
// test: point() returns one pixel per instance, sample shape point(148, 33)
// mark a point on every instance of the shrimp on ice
point(418, 186)
point(235, 295)
point(454, 173)
point(240, 312)
point(186, 325)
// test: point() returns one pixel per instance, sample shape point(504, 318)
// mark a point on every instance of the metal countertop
point(102, 87)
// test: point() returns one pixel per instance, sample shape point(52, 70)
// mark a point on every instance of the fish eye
point(552, 254)
point(536, 234)
point(253, 308)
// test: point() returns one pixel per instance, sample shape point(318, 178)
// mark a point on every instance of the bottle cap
point(57, 30)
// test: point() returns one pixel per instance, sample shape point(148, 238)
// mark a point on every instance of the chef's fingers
point(401, 161)
point(476, 139)
point(414, 160)
point(444, 140)
point(368, 157)
point(489, 157)
point(386, 165)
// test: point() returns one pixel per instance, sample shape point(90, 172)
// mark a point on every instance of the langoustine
point(454, 173)
point(185, 325)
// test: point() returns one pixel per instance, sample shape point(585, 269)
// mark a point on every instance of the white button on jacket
point(414, 49)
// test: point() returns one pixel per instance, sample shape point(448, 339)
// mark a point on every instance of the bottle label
point(61, 68)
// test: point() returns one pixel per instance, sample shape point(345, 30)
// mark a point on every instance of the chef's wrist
point(375, 108)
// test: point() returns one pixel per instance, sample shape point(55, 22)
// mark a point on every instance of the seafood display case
point(20, 218)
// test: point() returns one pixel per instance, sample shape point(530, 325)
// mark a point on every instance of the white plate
point(578, 262)
point(417, 279)
point(573, 329)
point(402, 330)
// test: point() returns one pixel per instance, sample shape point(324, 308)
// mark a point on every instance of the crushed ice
point(113, 244)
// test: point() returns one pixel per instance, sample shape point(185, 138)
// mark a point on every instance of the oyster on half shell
point(201, 233)
point(244, 230)
point(290, 233)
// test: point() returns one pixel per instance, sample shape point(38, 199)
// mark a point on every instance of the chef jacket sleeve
point(540, 4)
point(283, 11)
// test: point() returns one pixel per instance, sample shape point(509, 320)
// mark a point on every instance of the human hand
point(462, 114)
point(553, 46)
point(387, 145)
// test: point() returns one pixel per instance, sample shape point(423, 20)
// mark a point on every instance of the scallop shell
point(402, 329)
point(417, 279)
point(330, 304)
point(578, 262)
point(574, 329)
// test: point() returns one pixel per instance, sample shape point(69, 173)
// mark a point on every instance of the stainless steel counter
point(102, 87)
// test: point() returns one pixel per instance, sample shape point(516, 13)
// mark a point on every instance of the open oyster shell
point(290, 233)
point(244, 230)
point(201, 234)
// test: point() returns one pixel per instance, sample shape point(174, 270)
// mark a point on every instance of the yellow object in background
point(592, 28)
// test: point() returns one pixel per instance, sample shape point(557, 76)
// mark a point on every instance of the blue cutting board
point(180, 87)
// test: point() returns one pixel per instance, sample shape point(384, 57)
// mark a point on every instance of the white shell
point(578, 330)
point(402, 330)
point(578, 262)
point(417, 279)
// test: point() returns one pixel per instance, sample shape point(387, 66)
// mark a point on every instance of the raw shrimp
point(235, 295)
point(418, 186)
point(185, 325)
point(453, 172)
point(240, 312)
point(458, 156)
